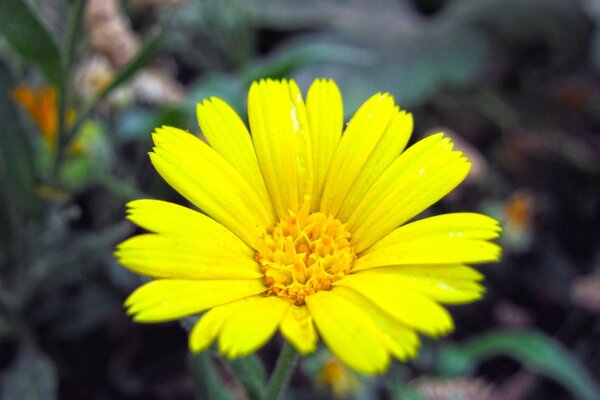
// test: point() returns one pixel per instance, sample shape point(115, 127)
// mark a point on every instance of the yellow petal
point(349, 332)
point(209, 326)
point(251, 325)
point(437, 272)
point(400, 340)
point(326, 120)
point(412, 308)
point(280, 132)
point(443, 290)
point(169, 299)
point(298, 328)
point(227, 134)
point(431, 251)
point(360, 137)
point(421, 176)
point(162, 256)
point(172, 219)
point(388, 148)
point(443, 239)
point(201, 175)
point(456, 226)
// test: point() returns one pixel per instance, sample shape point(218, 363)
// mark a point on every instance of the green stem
point(281, 374)
point(72, 31)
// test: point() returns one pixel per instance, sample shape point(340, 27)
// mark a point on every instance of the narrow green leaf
point(15, 150)
point(537, 351)
point(206, 380)
point(73, 28)
point(405, 392)
point(18, 200)
point(250, 371)
point(309, 50)
point(30, 38)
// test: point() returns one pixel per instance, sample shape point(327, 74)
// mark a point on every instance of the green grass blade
point(535, 350)
point(30, 38)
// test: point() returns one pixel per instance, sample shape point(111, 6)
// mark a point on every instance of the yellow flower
point(41, 106)
point(339, 379)
point(305, 229)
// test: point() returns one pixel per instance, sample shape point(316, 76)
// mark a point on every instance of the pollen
point(303, 253)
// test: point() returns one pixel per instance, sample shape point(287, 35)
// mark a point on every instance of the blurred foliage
point(30, 38)
point(515, 82)
point(535, 350)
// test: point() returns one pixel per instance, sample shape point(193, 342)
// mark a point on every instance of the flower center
point(304, 253)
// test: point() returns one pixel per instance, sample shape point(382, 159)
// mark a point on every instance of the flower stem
point(281, 374)
point(75, 17)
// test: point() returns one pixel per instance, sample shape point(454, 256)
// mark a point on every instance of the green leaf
point(136, 123)
point(206, 380)
point(250, 371)
point(227, 87)
point(15, 149)
point(32, 376)
point(405, 392)
point(309, 50)
point(535, 350)
point(30, 38)
point(18, 200)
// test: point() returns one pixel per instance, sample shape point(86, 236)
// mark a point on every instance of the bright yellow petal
point(172, 219)
point(162, 256)
point(349, 332)
point(443, 290)
point(280, 132)
point(201, 175)
point(360, 137)
point(443, 239)
point(298, 328)
point(445, 226)
point(437, 272)
point(251, 325)
point(227, 134)
point(400, 340)
point(169, 299)
point(412, 308)
point(431, 251)
point(326, 120)
point(421, 176)
point(390, 146)
point(209, 326)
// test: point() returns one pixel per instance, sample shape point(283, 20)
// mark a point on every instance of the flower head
point(305, 229)
point(41, 106)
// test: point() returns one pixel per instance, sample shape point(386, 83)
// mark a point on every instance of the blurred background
point(84, 83)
